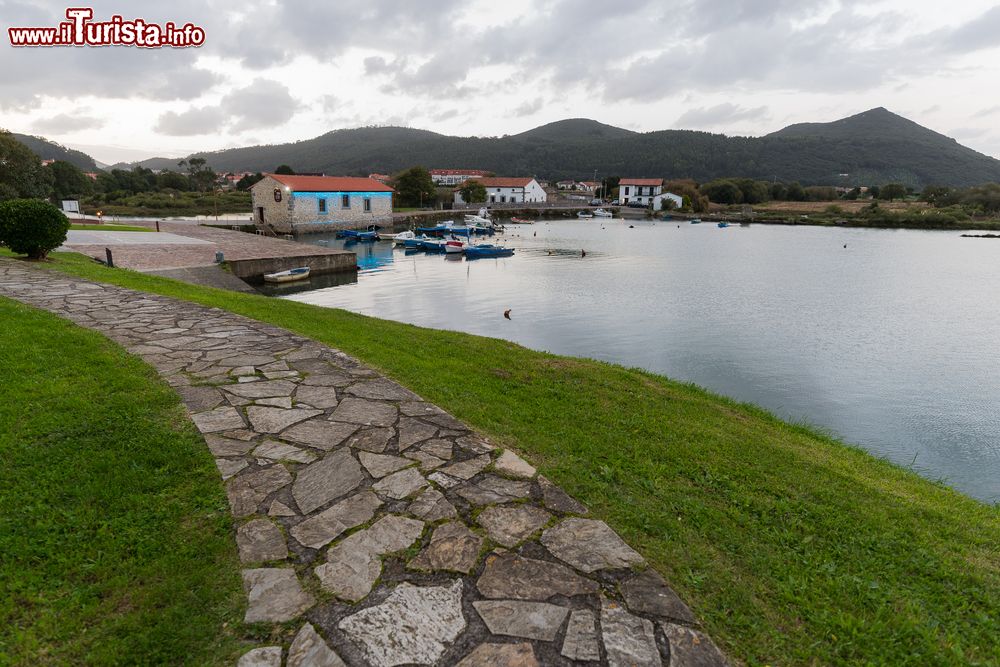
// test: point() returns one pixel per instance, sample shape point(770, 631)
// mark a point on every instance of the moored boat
point(601, 213)
point(522, 221)
point(454, 246)
point(288, 276)
point(400, 237)
point(585, 215)
point(696, 221)
point(484, 250)
point(723, 225)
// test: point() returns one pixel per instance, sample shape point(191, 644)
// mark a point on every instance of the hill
point(873, 147)
point(49, 150)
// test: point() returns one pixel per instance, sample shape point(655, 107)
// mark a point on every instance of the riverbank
point(791, 546)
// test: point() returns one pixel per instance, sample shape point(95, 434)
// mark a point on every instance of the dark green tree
point(795, 192)
point(248, 181)
point(891, 191)
point(415, 187)
point(32, 227)
point(171, 180)
point(473, 192)
point(285, 170)
point(201, 176)
point(723, 191)
point(68, 180)
point(21, 172)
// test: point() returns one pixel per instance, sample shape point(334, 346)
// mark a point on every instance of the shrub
point(32, 227)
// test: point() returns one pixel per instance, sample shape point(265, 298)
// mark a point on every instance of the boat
point(454, 246)
point(363, 237)
point(696, 221)
point(400, 237)
point(585, 215)
point(291, 275)
point(432, 245)
point(601, 213)
point(522, 221)
point(723, 225)
point(416, 241)
point(439, 229)
point(481, 218)
point(484, 250)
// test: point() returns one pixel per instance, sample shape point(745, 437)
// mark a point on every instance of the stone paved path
point(381, 529)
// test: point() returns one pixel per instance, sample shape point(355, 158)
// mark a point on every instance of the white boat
point(481, 218)
point(584, 215)
point(400, 237)
point(454, 246)
point(601, 213)
point(291, 275)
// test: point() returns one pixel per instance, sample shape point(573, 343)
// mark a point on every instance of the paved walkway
point(146, 254)
point(379, 528)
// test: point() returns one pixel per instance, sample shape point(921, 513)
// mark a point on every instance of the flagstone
point(453, 547)
point(414, 625)
point(309, 650)
point(431, 505)
point(246, 491)
point(325, 480)
point(589, 545)
point(274, 595)
point(275, 420)
point(364, 412)
point(319, 433)
point(516, 618)
point(401, 484)
point(320, 530)
point(510, 524)
point(260, 540)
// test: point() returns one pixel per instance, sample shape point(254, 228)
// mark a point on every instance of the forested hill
point(873, 147)
point(48, 150)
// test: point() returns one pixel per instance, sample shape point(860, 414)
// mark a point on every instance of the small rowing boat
point(584, 215)
point(522, 221)
point(291, 275)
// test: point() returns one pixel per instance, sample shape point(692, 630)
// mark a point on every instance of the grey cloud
point(529, 108)
point(982, 32)
point(720, 114)
point(204, 120)
point(988, 111)
point(65, 123)
point(264, 103)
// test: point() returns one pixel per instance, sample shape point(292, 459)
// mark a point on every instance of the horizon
point(300, 70)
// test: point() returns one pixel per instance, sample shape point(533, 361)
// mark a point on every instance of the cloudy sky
point(272, 72)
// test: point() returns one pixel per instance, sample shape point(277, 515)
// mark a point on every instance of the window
point(626, 190)
point(322, 205)
point(368, 205)
point(345, 201)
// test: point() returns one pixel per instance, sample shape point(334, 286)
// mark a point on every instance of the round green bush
point(32, 227)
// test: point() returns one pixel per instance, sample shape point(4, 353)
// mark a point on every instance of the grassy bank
point(171, 204)
point(115, 542)
point(793, 548)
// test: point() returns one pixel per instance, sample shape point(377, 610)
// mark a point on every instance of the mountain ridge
point(873, 147)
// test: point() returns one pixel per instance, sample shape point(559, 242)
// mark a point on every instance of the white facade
point(509, 191)
point(658, 200)
point(643, 191)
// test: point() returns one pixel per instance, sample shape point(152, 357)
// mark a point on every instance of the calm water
point(892, 343)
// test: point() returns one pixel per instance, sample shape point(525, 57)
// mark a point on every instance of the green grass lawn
point(115, 540)
point(793, 548)
point(110, 228)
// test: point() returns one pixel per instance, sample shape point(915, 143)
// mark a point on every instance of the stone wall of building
point(306, 215)
point(276, 214)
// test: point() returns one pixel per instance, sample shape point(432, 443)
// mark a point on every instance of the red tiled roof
point(458, 172)
point(641, 181)
point(503, 182)
point(330, 183)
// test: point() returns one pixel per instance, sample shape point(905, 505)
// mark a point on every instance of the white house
point(658, 200)
point(643, 190)
point(455, 176)
point(508, 191)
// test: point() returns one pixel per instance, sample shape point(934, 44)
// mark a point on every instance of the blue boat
point(723, 225)
point(415, 243)
point(484, 250)
point(355, 235)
